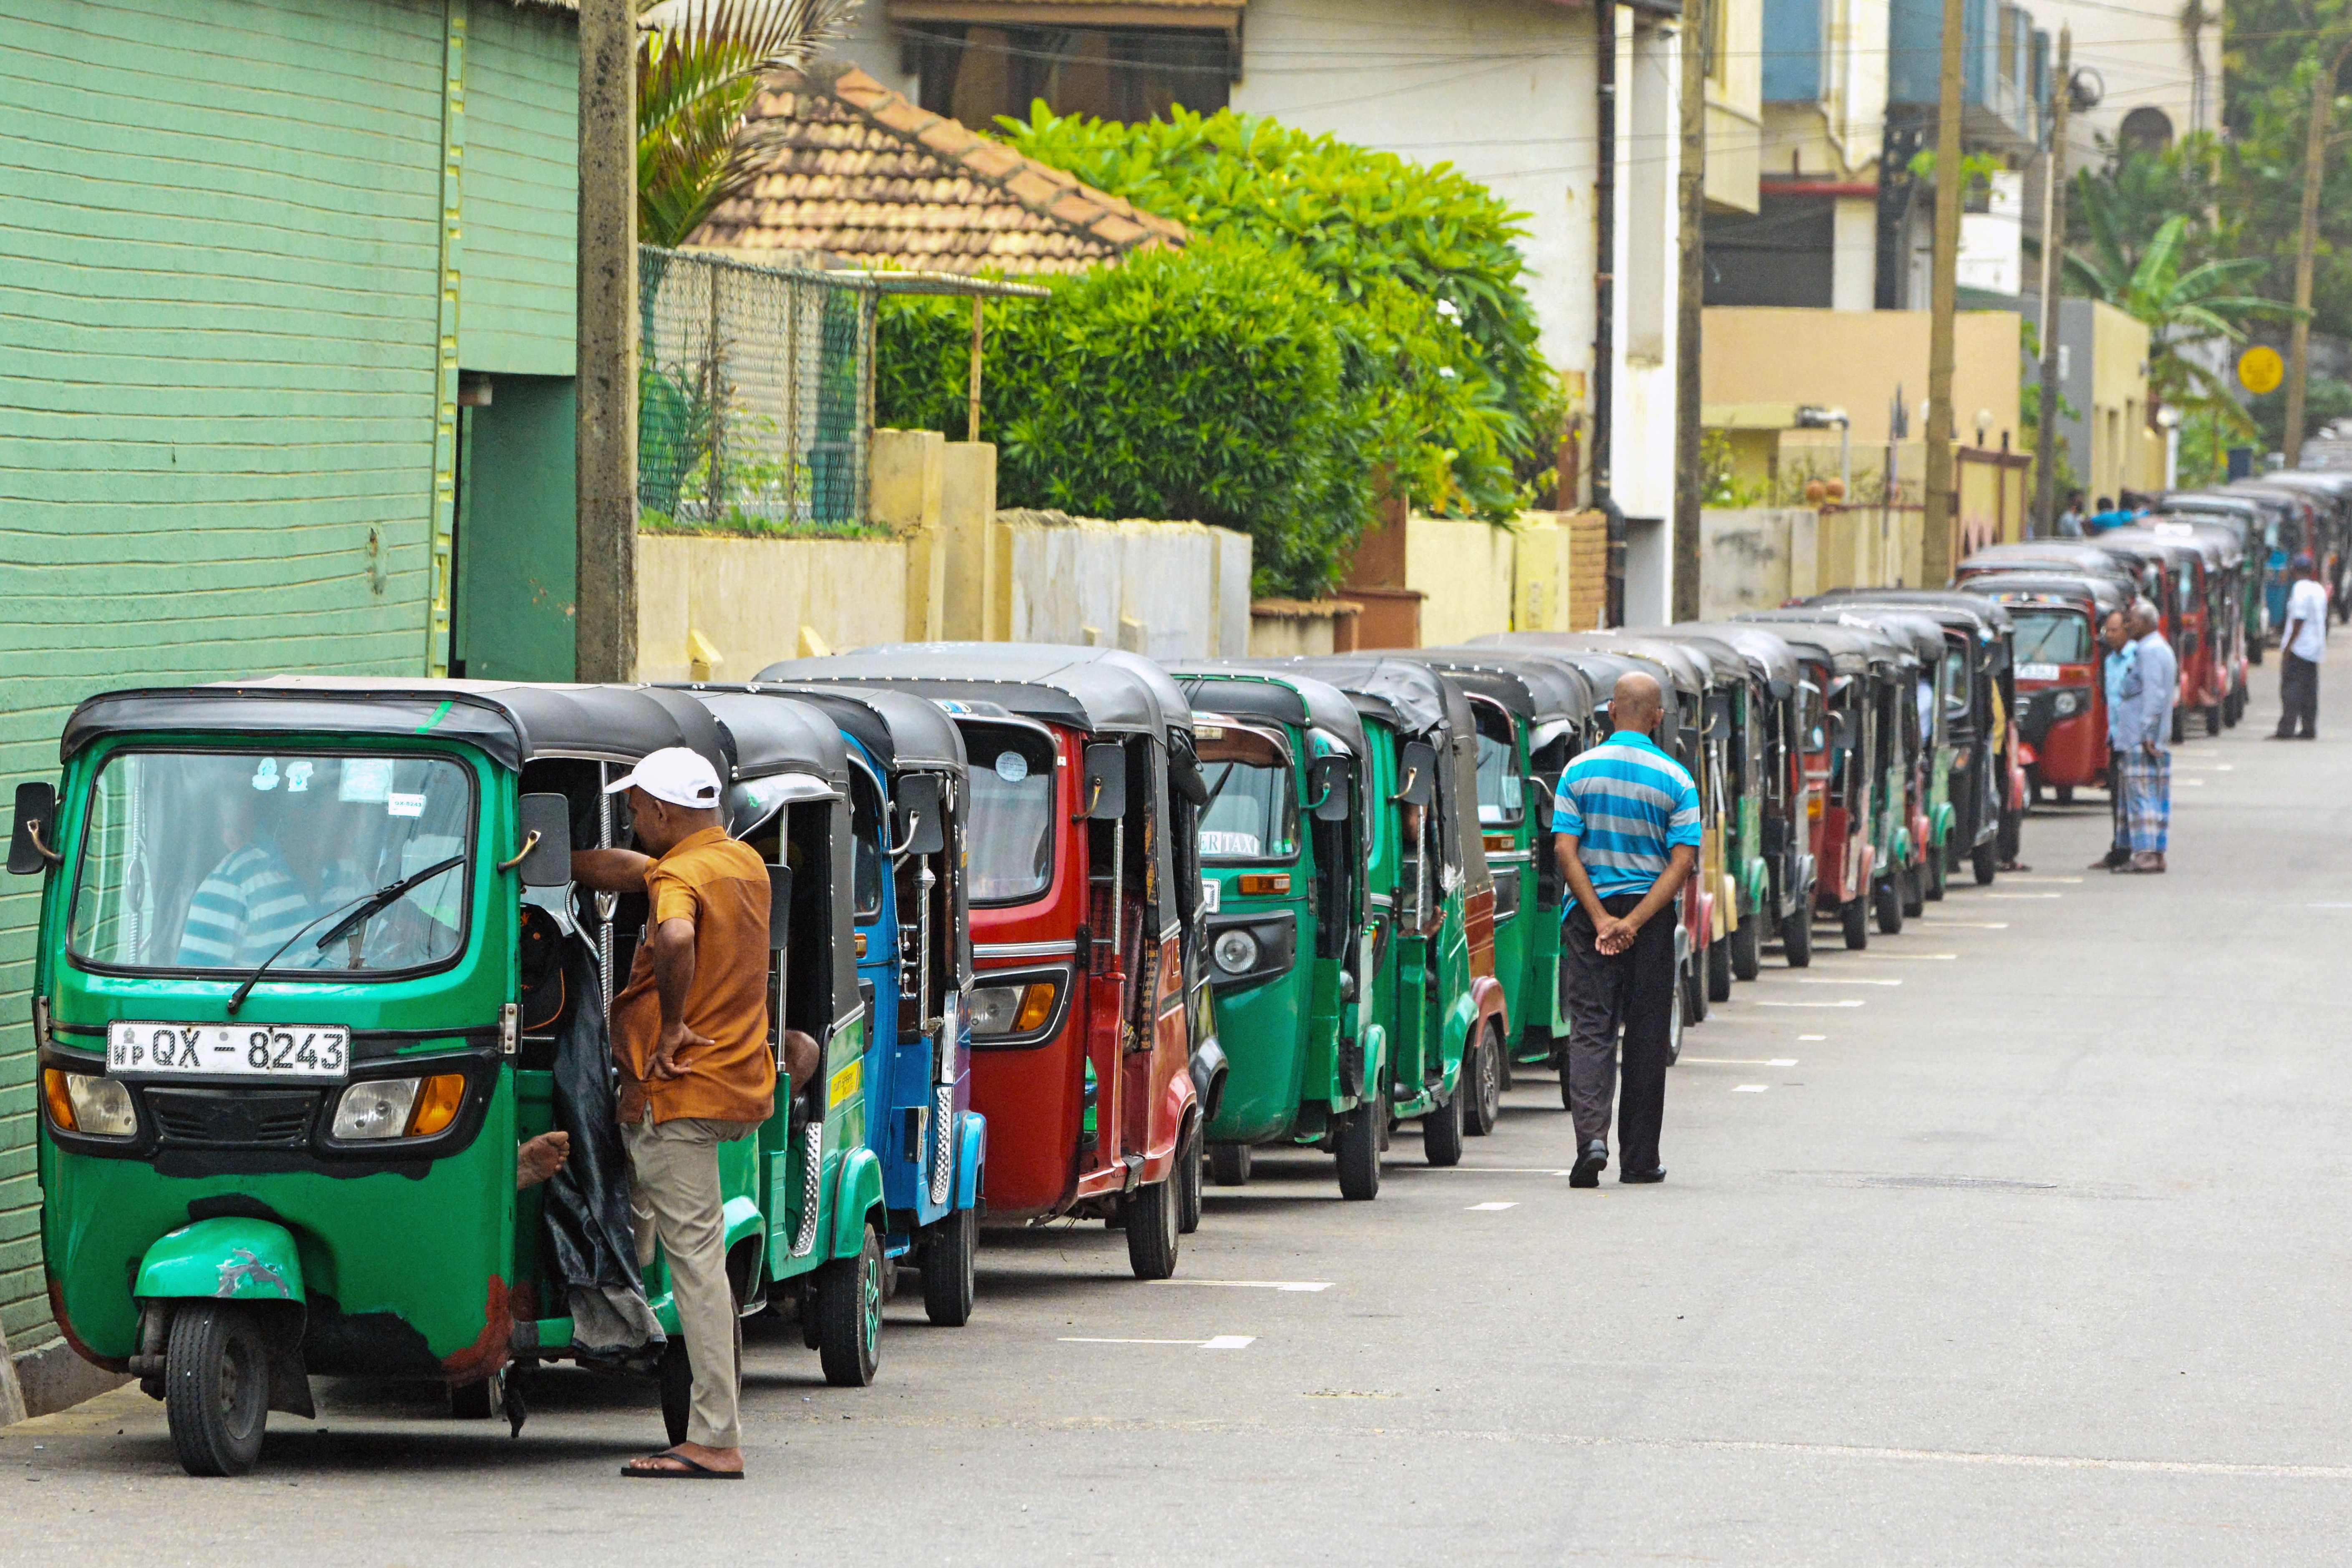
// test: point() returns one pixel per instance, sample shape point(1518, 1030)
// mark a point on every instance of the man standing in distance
point(2121, 674)
point(691, 1038)
point(2148, 760)
point(2301, 646)
point(1626, 826)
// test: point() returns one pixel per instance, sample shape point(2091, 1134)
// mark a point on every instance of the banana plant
point(698, 64)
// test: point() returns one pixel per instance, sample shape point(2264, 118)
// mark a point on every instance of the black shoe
point(1636, 1178)
point(1590, 1164)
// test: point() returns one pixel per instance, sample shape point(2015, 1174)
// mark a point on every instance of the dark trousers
point(1602, 993)
point(2298, 695)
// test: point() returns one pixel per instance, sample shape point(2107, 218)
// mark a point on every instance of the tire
point(1187, 1178)
point(849, 1316)
point(216, 1388)
point(1152, 1231)
point(1676, 1022)
point(1229, 1165)
point(2254, 651)
point(1939, 863)
point(2179, 726)
point(1695, 989)
point(1482, 1086)
point(949, 1250)
point(1915, 898)
point(1983, 864)
point(474, 1400)
point(2066, 793)
point(1888, 900)
point(2213, 725)
point(1797, 936)
point(1854, 915)
point(1503, 1058)
point(2007, 837)
point(1747, 948)
point(1440, 1132)
point(1359, 1151)
point(1718, 970)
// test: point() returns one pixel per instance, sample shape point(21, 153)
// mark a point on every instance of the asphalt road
point(2018, 1239)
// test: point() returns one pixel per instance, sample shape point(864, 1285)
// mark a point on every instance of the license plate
point(312, 1052)
point(2037, 672)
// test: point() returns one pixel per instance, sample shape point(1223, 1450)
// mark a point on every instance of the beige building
point(1734, 41)
point(2110, 446)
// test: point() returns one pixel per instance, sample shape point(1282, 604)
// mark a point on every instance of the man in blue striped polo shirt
point(1626, 826)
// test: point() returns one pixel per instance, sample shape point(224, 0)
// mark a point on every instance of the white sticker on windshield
point(264, 777)
point(366, 780)
point(403, 805)
point(298, 776)
point(1011, 766)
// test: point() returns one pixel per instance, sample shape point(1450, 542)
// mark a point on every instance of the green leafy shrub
point(1211, 383)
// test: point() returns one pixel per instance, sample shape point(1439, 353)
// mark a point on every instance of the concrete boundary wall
point(1170, 590)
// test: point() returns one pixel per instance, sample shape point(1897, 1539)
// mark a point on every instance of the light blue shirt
point(1628, 804)
point(2159, 688)
point(2122, 697)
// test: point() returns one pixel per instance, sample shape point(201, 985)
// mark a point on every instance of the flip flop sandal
point(693, 1472)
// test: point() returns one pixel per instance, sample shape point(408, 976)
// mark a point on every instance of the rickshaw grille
point(812, 1168)
point(943, 1142)
point(233, 1119)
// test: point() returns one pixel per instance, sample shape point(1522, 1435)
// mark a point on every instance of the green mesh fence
point(754, 397)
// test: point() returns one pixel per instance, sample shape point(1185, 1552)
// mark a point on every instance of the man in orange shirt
point(691, 1038)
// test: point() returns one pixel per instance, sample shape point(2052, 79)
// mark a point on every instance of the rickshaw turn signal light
point(1265, 882)
point(437, 1104)
point(1037, 1007)
point(1813, 809)
point(84, 1103)
point(53, 1095)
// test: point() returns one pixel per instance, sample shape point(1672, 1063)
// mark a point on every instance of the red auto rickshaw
point(1093, 1055)
point(1840, 703)
point(2062, 696)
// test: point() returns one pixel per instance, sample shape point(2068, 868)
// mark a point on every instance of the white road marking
point(1906, 957)
point(1489, 1208)
point(2327, 906)
point(1229, 1343)
point(1740, 1061)
point(1255, 1284)
point(1841, 1002)
point(1750, 1087)
point(2192, 783)
point(1855, 980)
point(1220, 1343)
point(1812, 1037)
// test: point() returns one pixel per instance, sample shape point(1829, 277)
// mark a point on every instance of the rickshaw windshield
point(1253, 810)
point(2051, 637)
point(197, 860)
point(1502, 788)
point(1011, 833)
point(1957, 695)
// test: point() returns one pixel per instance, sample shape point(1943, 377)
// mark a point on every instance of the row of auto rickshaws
point(1071, 930)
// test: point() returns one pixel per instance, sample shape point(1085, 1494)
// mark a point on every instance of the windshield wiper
point(370, 905)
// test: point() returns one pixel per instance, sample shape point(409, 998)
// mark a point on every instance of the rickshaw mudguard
point(1209, 1068)
point(1942, 823)
point(1488, 1001)
point(742, 1220)
point(229, 1258)
point(971, 1153)
point(857, 1193)
point(1757, 880)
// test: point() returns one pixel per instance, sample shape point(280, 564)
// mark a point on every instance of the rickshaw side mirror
point(1328, 778)
point(780, 908)
point(545, 823)
point(922, 816)
point(1416, 774)
point(30, 851)
point(1103, 792)
point(1841, 732)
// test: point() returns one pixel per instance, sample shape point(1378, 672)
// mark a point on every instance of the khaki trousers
point(674, 1199)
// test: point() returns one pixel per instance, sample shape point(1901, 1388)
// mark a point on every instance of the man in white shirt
point(2301, 644)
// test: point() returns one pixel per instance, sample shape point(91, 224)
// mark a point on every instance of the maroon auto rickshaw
point(2062, 697)
point(1093, 1055)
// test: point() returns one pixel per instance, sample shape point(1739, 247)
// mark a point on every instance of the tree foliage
point(1210, 384)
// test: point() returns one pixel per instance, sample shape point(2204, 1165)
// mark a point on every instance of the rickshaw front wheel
point(1854, 915)
point(1890, 900)
point(1982, 864)
point(849, 1316)
point(1482, 1083)
point(1229, 1165)
point(1718, 970)
point(216, 1388)
point(1915, 897)
point(1940, 866)
point(946, 1268)
point(1796, 935)
point(675, 1371)
point(1187, 1178)
point(1360, 1151)
point(1747, 948)
point(1441, 1131)
point(1152, 1230)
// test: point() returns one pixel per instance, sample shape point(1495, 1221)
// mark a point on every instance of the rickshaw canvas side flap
point(226, 1259)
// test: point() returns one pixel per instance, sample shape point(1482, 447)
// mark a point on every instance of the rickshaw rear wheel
point(1229, 1165)
point(1359, 1151)
point(1747, 948)
point(1152, 1233)
point(1888, 897)
point(1678, 1020)
point(1914, 896)
point(948, 1252)
point(674, 1372)
point(1441, 1131)
point(1797, 936)
point(1940, 866)
point(1187, 1179)
point(1718, 970)
point(216, 1388)
point(1854, 915)
point(1982, 864)
point(2066, 793)
point(1695, 989)
point(1481, 1076)
point(2213, 718)
point(849, 1316)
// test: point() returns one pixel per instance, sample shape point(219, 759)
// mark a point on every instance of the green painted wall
point(219, 255)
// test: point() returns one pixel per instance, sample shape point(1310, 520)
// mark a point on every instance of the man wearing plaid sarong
point(2147, 762)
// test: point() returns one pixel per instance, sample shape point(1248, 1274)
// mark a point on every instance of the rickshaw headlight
point(377, 1108)
point(1001, 1010)
point(2066, 704)
point(1236, 953)
point(84, 1103)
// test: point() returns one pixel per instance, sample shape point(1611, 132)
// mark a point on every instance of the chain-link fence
point(754, 397)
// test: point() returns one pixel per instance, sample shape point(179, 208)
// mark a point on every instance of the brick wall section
point(218, 257)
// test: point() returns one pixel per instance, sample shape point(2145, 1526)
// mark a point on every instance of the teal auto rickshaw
point(1285, 837)
point(312, 967)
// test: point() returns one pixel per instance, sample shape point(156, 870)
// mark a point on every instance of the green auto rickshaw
point(312, 969)
point(1285, 839)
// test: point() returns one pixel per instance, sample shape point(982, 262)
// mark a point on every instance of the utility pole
point(1936, 548)
point(604, 625)
point(1689, 312)
point(2314, 150)
point(2054, 282)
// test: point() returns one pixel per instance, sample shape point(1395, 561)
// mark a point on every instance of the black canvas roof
point(1411, 697)
point(1956, 608)
point(1540, 691)
point(1850, 650)
point(1098, 690)
point(1687, 671)
point(1767, 652)
point(1286, 697)
point(2106, 593)
point(772, 735)
point(2050, 554)
point(512, 722)
point(900, 729)
point(1920, 634)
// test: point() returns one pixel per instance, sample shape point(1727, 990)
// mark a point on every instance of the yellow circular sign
point(2261, 370)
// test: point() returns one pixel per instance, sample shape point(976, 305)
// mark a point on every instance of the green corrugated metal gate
point(250, 251)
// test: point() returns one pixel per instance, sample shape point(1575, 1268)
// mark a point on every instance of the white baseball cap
point(674, 774)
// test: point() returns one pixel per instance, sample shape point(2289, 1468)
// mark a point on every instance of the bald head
point(2143, 618)
point(1636, 702)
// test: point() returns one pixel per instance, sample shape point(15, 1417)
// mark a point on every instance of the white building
point(2154, 87)
point(1505, 90)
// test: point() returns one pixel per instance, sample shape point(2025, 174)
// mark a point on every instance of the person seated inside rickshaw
point(251, 903)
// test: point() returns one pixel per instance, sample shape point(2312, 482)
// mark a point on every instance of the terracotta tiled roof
point(858, 173)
